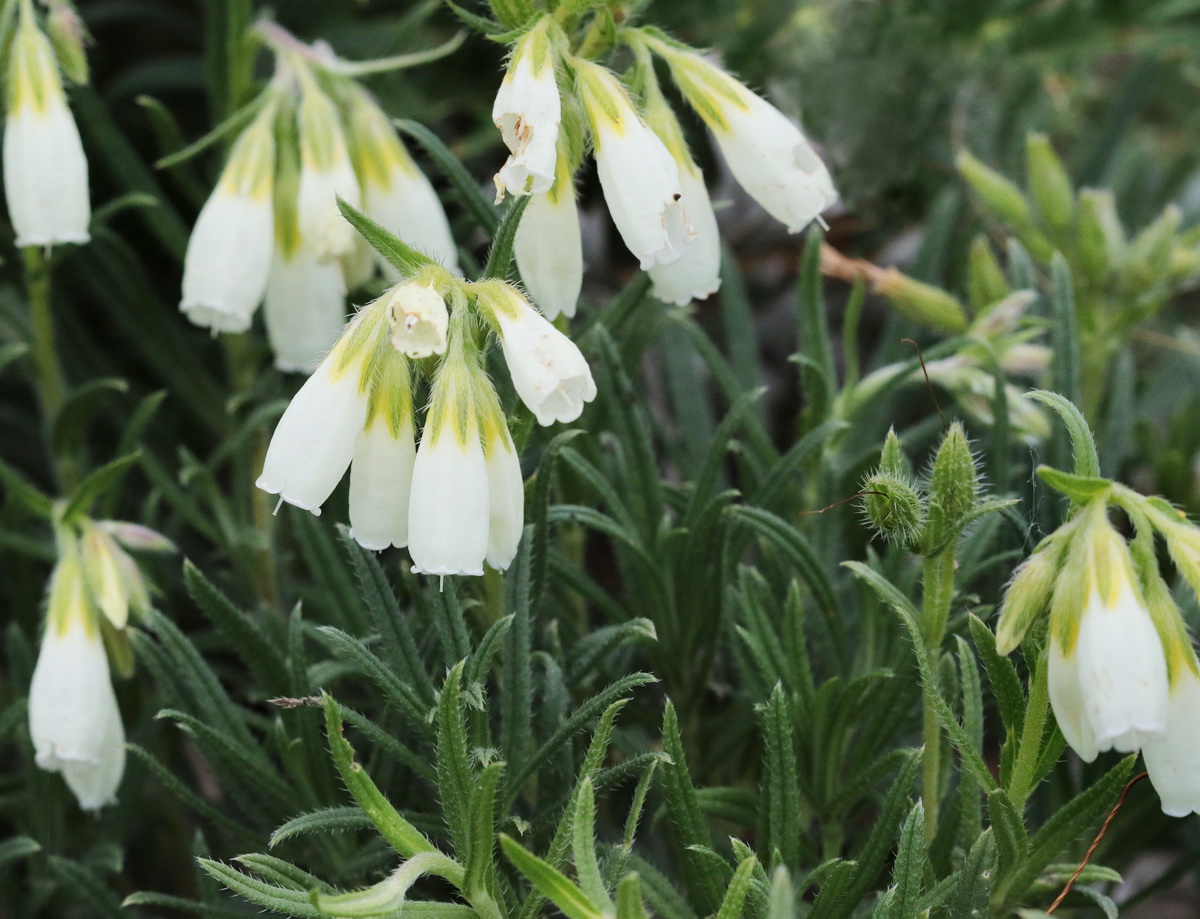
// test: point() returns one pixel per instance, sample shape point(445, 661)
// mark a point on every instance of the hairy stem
point(49, 377)
point(938, 591)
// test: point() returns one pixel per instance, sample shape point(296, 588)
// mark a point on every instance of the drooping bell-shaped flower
point(45, 171)
point(228, 260)
point(506, 490)
point(1174, 760)
point(449, 509)
point(1108, 671)
point(549, 246)
point(73, 716)
point(467, 501)
point(698, 274)
point(316, 438)
point(382, 469)
point(548, 371)
point(638, 175)
point(766, 151)
point(326, 173)
point(304, 309)
point(528, 111)
point(395, 192)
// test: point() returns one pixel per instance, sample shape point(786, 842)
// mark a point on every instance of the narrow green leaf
point(583, 848)
point(96, 484)
point(234, 122)
point(16, 848)
point(1012, 842)
point(550, 882)
point(781, 783)
point(403, 257)
point(735, 894)
point(683, 810)
point(1006, 683)
point(588, 710)
point(480, 861)
point(500, 255)
point(908, 872)
point(325, 820)
point(246, 637)
point(401, 835)
point(20, 489)
point(973, 891)
point(629, 898)
point(455, 779)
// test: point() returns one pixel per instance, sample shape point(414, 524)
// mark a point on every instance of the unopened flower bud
point(1005, 203)
point(1049, 184)
point(892, 460)
point(1100, 239)
point(68, 35)
point(137, 537)
point(893, 507)
point(1028, 595)
point(985, 279)
point(922, 302)
point(953, 487)
point(1150, 252)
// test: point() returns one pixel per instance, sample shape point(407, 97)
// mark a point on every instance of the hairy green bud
point(923, 303)
point(892, 460)
point(893, 507)
point(1100, 238)
point(1028, 594)
point(1150, 252)
point(986, 284)
point(953, 487)
point(1049, 184)
point(68, 35)
point(1001, 199)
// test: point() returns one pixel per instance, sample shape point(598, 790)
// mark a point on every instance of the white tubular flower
point(316, 438)
point(549, 247)
point(45, 171)
point(418, 317)
point(1108, 669)
point(767, 153)
point(548, 371)
point(1174, 761)
point(638, 176)
point(228, 257)
point(506, 494)
point(697, 275)
point(73, 716)
point(305, 308)
point(382, 470)
point(395, 192)
point(449, 507)
point(326, 174)
point(528, 111)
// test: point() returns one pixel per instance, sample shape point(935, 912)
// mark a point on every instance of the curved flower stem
point(50, 379)
point(938, 591)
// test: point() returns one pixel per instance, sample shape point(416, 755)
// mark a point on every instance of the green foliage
point(705, 686)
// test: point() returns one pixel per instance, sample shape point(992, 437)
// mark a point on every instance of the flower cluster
point(1123, 674)
point(271, 232)
point(553, 99)
point(45, 171)
point(457, 499)
point(73, 716)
